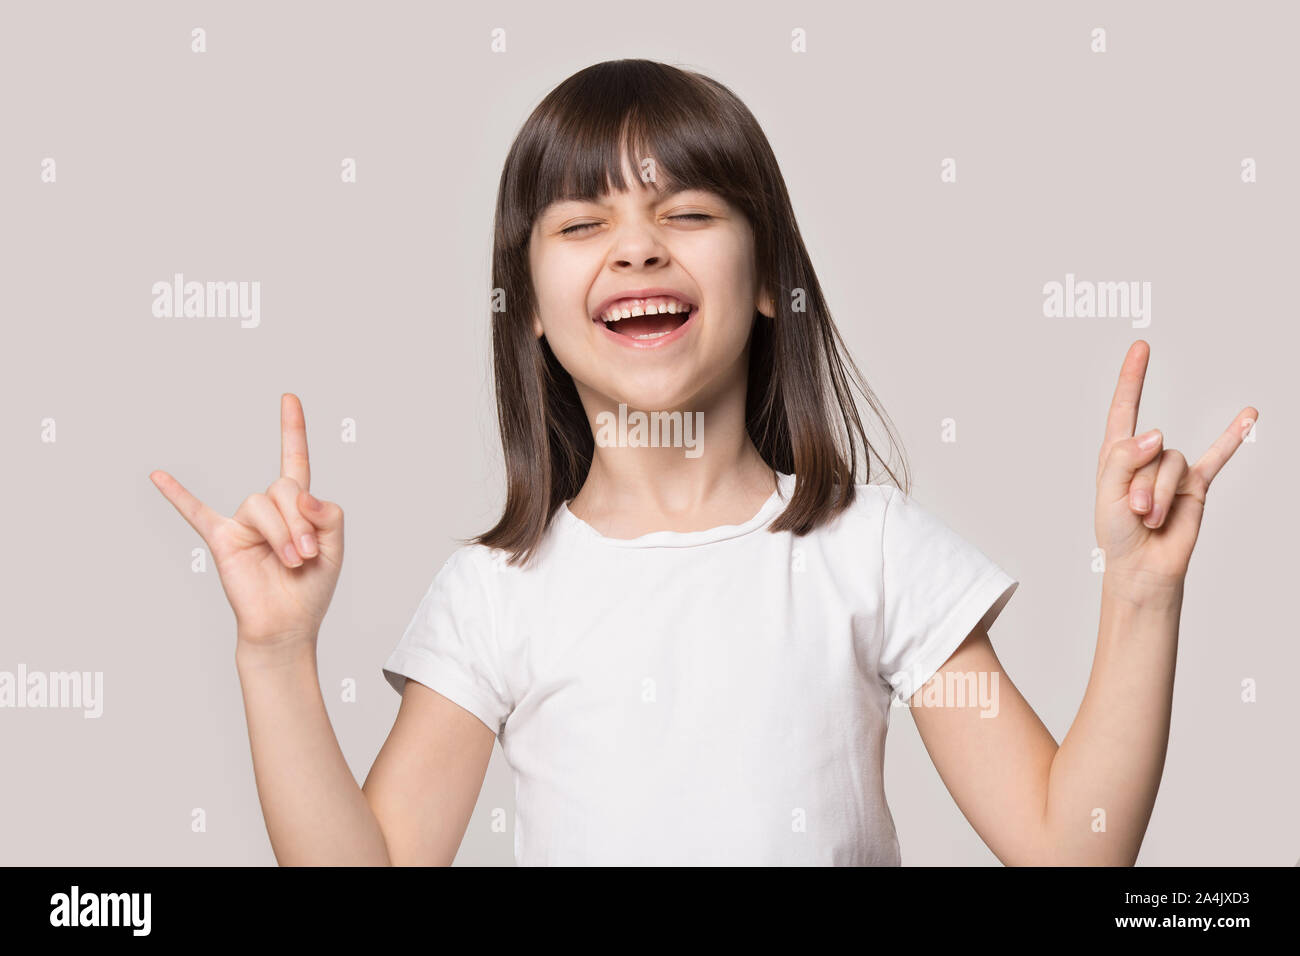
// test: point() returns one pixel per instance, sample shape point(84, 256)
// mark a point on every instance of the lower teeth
point(649, 335)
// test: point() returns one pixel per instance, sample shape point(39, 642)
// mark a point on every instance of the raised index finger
point(1122, 420)
point(293, 442)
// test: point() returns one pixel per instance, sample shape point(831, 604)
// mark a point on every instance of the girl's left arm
point(1088, 801)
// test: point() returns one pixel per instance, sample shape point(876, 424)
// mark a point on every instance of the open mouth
point(645, 320)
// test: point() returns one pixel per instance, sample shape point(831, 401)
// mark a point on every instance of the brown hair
point(701, 136)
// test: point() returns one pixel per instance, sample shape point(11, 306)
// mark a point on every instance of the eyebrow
point(658, 197)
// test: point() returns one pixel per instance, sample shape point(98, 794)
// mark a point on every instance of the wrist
point(263, 656)
point(1142, 590)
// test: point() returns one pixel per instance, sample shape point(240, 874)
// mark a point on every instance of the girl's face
point(695, 243)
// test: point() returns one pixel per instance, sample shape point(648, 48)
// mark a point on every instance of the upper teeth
point(656, 305)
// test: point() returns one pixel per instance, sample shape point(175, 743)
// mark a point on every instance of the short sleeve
point(936, 587)
point(450, 647)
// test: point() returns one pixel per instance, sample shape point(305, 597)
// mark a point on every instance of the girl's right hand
point(278, 585)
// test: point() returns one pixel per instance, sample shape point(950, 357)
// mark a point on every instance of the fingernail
point(308, 542)
point(1149, 440)
point(1153, 519)
point(1141, 499)
point(291, 555)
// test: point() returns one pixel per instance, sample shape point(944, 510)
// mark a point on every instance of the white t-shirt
point(705, 697)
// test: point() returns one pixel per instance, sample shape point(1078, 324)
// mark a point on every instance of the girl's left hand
point(1149, 501)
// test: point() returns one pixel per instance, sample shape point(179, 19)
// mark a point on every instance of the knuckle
point(284, 486)
point(266, 514)
point(288, 508)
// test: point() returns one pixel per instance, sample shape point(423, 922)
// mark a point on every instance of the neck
point(638, 489)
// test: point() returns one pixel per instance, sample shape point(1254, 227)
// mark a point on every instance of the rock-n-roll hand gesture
point(1149, 501)
point(279, 557)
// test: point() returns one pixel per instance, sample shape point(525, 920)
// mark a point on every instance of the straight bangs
point(674, 132)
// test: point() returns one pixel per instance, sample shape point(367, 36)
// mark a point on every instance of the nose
point(637, 247)
point(625, 263)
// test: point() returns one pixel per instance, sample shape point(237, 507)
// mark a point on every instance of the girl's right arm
point(279, 559)
point(315, 813)
point(417, 800)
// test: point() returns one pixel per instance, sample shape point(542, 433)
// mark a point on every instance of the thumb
point(1123, 462)
point(326, 517)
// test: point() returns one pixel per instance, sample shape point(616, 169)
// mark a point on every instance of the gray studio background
point(1118, 166)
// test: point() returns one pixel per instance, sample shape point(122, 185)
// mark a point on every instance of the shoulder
point(853, 537)
point(479, 561)
point(864, 515)
point(468, 571)
point(873, 498)
point(488, 572)
point(474, 558)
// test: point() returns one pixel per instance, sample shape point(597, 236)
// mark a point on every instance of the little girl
point(688, 624)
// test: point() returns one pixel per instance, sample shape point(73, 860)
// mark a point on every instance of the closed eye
point(694, 216)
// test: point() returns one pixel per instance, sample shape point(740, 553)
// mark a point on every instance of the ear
point(765, 303)
point(537, 325)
